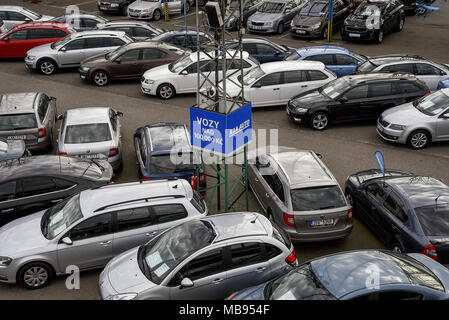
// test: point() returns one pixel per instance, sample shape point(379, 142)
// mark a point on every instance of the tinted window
point(38, 185)
point(396, 207)
point(236, 64)
point(377, 191)
point(133, 218)
point(244, 254)
point(250, 48)
point(75, 45)
point(87, 133)
point(89, 23)
point(115, 42)
point(169, 212)
point(16, 16)
point(142, 32)
point(18, 121)
point(403, 67)
point(271, 79)
point(327, 59)
point(45, 33)
point(180, 41)
point(295, 76)
point(315, 75)
point(424, 69)
point(92, 43)
point(149, 54)
point(43, 107)
point(319, 198)
point(360, 92)
point(344, 60)
point(265, 49)
point(18, 35)
point(131, 55)
point(198, 202)
point(272, 251)
point(92, 227)
point(7, 191)
point(380, 89)
point(206, 264)
point(275, 184)
point(408, 87)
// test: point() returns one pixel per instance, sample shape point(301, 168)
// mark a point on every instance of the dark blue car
point(183, 38)
point(357, 275)
point(163, 150)
point(264, 50)
point(338, 59)
point(409, 213)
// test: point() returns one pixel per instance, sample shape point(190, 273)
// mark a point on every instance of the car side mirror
point(27, 20)
point(184, 72)
point(60, 117)
point(63, 49)
point(445, 116)
point(5, 39)
point(53, 98)
point(117, 60)
point(343, 100)
point(442, 73)
point(319, 155)
point(67, 241)
point(186, 283)
point(257, 85)
point(119, 114)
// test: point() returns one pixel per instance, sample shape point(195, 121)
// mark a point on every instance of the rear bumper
point(305, 33)
point(318, 235)
point(367, 35)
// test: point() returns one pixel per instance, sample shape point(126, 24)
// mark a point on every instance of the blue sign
point(219, 133)
point(380, 161)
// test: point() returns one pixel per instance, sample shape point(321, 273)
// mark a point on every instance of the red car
point(17, 41)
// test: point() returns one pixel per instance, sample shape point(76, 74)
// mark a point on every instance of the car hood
point(356, 20)
point(45, 48)
point(308, 21)
point(160, 72)
point(124, 273)
point(142, 5)
point(405, 114)
point(94, 60)
point(265, 17)
point(251, 293)
point(309, 98)
point(22, 235)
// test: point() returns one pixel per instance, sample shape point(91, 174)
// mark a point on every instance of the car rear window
point(87, 133)
point(18, 121)
point(281, 235)
point(318, 198)
point(293, 56)
point(434, 219)
point(163, 164)
point(197, 202)
point(366, 67)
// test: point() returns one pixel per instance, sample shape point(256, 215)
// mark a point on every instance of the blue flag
point(380, 161)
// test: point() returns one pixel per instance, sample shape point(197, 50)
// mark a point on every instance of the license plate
point(288, 110)
point(89, 156)
point(322, 223)
point(103, 8)
point(16, 137)
point(257, 28)
point(300, 31)
point(133, 15)
point(355, 35)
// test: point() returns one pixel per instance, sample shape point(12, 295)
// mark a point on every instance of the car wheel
point(380, 36)
point(421, 11)
point(418, 139)
point(342, 34)
point(280, 28)
point(35, 275)
point(319, 121)
point(187, 8)
point(166, 91)
point(401, 24)
point(125, 10)
point(47, 67)
point(156, 15)
point(348, 195)
point(396, 247)
point(324, 33)
point(100, 78)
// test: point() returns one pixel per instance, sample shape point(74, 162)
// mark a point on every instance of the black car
point(114, 6)
point(409, 212)
point(312, 20)
point(354, 97)
point(249, 8)
point(30, 184)
point(360, 25)
point(183, 38)
point(263, 49)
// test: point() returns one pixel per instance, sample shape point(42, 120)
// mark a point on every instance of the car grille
point(134, 10)
point(383, 122)
point(106, 4)
point(302, 27)
point(258, 23)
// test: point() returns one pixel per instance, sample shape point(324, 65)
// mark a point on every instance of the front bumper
point(302, 118)
point(305, 32)
point(148, 88)
point(108, 8)
point(354, 33)
point(261, 29)
point(140, 15)
point(31, 64)
point(398, 136)
point(8, 273)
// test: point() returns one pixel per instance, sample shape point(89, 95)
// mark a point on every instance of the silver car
point(299, 193)
point(14, 15)
point(74, 48)
point(417, 123)
point(154, 9)
point(274, 15)
point(91, 133)
point(88, 229)
point(207, 258)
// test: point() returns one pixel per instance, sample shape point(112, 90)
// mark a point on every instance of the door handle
point(150, 234)
point(275, 89)
point(267, 195)
point(106, 243)
point(257, 180)
point(217, 281)
point(304, 86)
point(56, 200)
point(7, 210)
point(261, 269)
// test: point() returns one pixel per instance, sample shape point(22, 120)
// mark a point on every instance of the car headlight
point(148, 81)
point(269, 23)
point(31, 57)
point(84, 69)
point(122, 296)
point(346, 22)
point(5, 261)
point(301, 110)
point(397, 126)
point(146, 10)
point(114, 5)
point(316, 26)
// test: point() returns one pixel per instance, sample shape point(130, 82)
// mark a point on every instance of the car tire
point(50, 144)
point(280, 29)
point(380, 36)
point(125, 10)
point(401, 24)
point(343, 36)
point(418, 139)
point(396, 247)
point(165, 91)
point(100, 78)
point(35, 275)
point(349, 197)
point(47, 67)
point(156, 15)
point(319, 121)
point(421, 11)
point(324, 33)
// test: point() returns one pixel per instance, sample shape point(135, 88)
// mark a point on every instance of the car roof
point(166, 137)
point(378, 76)
point(81, 15)
point(14, 8)
point(291, 65)
point(281, 1)
point(303, 168)
point(207, 56)
point(43, 24)
point(384, 59)
point(87, 115)
point(305, 51)
point(96, 200)
point(346, 272)
point(149, 44)
point(123, 23)
point(239, 224)
point(18, 102)
point(92, 33)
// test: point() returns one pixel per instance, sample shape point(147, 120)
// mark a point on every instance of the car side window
point(408, 87)
point(377, 191)
point(425, 69)
point(395, 205)
point(327, 59)
point(150, 54)
point(265, 49)
point(75, 45)
point(272, 251)
point(315, 75)
point(99, 42)
point(391, 296)
point(63, 184)
point(18, 35)
point(131, 55)
point(295, 76)
point(37, 186)
point(360, 92)
point(236, 64)
point(92, 227)
point(244, 254)
point(180, 41)
point(16, 16)
point(89, 23)
point(206, 264)
point(169, 212)
point(8, 191)
point(143, 148)
point(116, 42)
point(272, 79)
point(3, 15)
point(113, 120)
point(127, 30)
point(133, 218)
point(142, 32)
point(275, 184)
point(345, 60)
point(42, 107)
point(380, 89)
point(403, 67)
point(250, 48)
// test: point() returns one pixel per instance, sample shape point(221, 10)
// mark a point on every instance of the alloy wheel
point(166, 92)
point(156, 15)
point(100, 78)
point(320, 121)
point(418, 140)
point(35, 276)
point(380, 36)
point(47, 67)
point(401, 24)
point(349, 198)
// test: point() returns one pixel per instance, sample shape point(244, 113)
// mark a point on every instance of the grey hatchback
point(205, 258)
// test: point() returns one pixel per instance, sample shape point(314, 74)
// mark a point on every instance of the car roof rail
point(146, 199)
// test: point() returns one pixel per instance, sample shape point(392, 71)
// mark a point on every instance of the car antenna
point(436, 202)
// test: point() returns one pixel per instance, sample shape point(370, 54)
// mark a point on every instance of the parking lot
point(346, 148)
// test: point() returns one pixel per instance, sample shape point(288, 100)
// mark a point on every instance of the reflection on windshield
point(271, 7)
point(87, 133)
point(334, 88)
point(432, 104)
point(314, 9)
point(18, 121)
point(252, 75)
point(367, 10)
point(180, 64)
point(61, 42)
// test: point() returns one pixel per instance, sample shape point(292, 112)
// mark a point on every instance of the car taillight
point(113, 152)
point(62, 153)
point(110, 182)
point(146, 178)
point(193, 182)
point(349, 215)
point(42, 133)
point(289, 219)
point(291, 259)
point(430, 251)
point(427, 94)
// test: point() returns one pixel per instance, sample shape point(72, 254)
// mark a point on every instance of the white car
point(181, 76)
point(275, 83)
point(14, 15)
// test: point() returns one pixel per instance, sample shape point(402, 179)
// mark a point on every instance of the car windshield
point(87, 133)
point(367, 66)
point(432, 104)
point(280, 235)
point(299, 284)
point(164, 164)
point(367, 9)
point(318, 198)
point(61, 216)
point(434, 219)
point(116, 53)
point(32, 14)
point(314, 9)
point(271, 7)
point(58, 44)
point(250, 76)
point(17, 121)
point(293, 56)
point(163, 254)
point(180, 64)
point(334, 88)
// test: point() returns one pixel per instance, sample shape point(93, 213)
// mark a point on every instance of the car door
point(381, 96)
point(295, 82)
point(152, 57)
point(91, 246)
point(430, 74)
point(206, 270)
point(174, 6)
point(369, 199)
point(127, 65)
point(393, 219)
point(15, 44)
point(72, 53)
point(266, 91)
point(442, 126)
point(274, 196)
point(9, 198)
point(96, 46)
point(344, 64)
point(133, 227)
point(349, 106)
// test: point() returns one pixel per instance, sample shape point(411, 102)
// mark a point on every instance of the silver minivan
point(89, 228)
point(299, 193)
